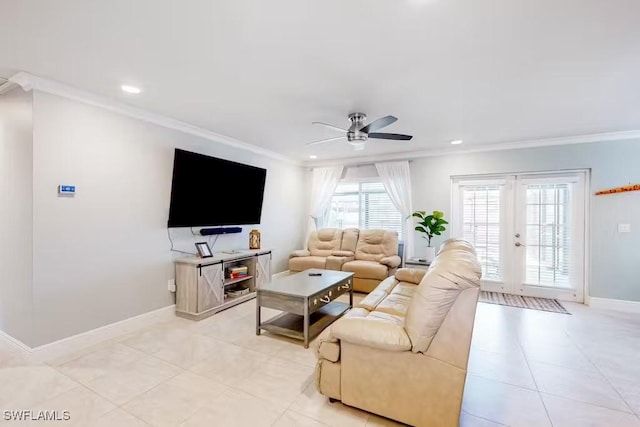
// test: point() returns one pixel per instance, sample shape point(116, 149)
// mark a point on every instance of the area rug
point(542, 304)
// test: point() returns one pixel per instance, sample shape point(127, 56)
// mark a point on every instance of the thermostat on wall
point(67, 189)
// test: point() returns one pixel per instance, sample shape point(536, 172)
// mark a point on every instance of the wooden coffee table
point(308, 303)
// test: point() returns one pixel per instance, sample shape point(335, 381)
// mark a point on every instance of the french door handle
point(518, 244)
point(517, 235)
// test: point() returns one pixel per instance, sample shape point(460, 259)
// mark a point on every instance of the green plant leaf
point(444, 222)
point(421, 229)
point(438, 214)
point(417, 215)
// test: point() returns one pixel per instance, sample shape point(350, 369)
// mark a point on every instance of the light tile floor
point(527, 368)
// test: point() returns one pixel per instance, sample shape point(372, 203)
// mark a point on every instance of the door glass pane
point(548, 242)
point(481, 226)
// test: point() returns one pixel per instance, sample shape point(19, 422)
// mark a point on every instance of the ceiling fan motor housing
point(357, 123)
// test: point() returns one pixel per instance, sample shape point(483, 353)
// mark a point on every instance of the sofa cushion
point(452, 272)
point(366, 269)
point(305, 263)
point(450, 244)
point(394, 304)
point(405, 289)
point(411, 275)
point(323, 242)
point(349, 239)
point(373, 245)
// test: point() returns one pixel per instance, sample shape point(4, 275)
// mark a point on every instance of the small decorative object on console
point(254, 239)
point(204, 251)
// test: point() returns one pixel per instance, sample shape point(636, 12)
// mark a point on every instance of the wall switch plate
point(172, 285)
point(624, 228)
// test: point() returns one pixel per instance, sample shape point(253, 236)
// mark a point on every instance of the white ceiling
point(261, 71)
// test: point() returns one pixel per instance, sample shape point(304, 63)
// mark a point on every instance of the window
point(481, 225)
point(364, 205)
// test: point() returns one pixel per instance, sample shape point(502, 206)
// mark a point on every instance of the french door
point(528, 231)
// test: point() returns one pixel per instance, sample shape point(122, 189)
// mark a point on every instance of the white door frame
point(509, 178)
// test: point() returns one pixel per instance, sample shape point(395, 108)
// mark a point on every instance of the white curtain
point(396, 178)
point(323, 185)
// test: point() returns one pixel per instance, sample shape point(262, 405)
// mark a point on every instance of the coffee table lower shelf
point(292, 325)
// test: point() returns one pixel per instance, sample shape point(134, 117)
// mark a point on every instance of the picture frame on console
point(204, 251)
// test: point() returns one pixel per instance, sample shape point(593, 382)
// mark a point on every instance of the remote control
point(315, 274)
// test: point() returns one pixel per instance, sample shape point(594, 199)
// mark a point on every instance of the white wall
point(614, 257)
point(15, 214)
point(103, 255)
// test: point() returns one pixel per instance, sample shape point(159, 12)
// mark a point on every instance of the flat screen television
point(207, 191)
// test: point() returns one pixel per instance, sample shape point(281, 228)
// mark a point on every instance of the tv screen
point(207, 191)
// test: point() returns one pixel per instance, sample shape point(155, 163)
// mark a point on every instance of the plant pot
point(430, 254)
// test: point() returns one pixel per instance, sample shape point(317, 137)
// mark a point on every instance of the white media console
point(203, 286)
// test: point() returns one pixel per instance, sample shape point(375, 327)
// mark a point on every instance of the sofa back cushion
point(450, 244)
point(349, 239)
point(373, 245)
point(323, 242)
point(452, 271)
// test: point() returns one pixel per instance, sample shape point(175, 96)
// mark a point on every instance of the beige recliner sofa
point(328, 249)
point(375, 259)
point(372, 255)
point(402, 352)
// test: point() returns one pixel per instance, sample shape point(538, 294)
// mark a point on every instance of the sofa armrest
point(327, 346)
point(391, 261)
point(336, 262)
point(374, 333)
point(300, 253)
point(343, 253)
point(410, 275)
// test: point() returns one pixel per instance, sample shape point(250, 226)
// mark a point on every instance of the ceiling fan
point(358, 133)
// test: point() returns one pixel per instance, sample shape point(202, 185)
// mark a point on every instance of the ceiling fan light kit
point(358, 133)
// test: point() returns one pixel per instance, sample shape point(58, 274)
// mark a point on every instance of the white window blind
point(548, 235)
point(364, 205)
point(481, 205)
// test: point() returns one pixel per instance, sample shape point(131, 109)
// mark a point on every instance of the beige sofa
point(375, 259)
point(402, 352)
point(372, 255)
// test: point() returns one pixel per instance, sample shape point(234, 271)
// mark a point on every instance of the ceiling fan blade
point(394, 136)
point(322, 141)
point(378, 124)
point(330, 126)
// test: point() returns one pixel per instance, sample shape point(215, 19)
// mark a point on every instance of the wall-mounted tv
point(207, 191)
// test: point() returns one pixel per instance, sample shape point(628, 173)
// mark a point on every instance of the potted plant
point(430, 225)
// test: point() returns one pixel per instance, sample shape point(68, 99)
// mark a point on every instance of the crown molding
point(30, 82)
point(6, 85)
point(515, 145)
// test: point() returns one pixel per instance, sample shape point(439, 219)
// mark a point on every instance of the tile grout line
point(584, 353)
point(485, 419)
point(526, 360)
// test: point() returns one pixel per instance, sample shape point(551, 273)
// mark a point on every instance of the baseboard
point(281, 274)
point(615, 304)
point(93, 337)
point(15, 343)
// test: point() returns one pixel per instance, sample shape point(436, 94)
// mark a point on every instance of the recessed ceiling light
point(456, 142)
point(130, 89)
point(313, 156)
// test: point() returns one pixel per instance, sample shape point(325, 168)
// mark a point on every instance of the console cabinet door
point(263, 270)
point(210, 287)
